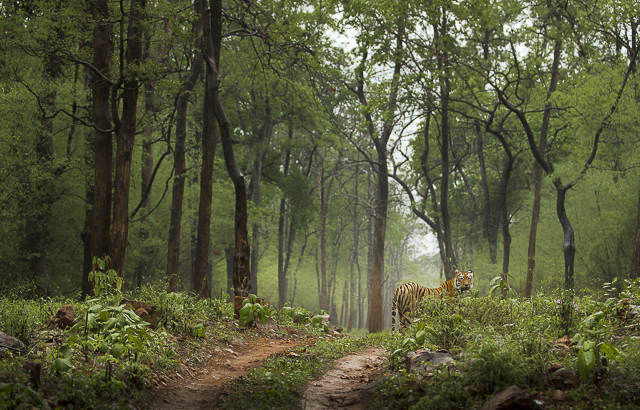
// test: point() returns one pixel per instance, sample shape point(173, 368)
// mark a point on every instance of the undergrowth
point(499, 341)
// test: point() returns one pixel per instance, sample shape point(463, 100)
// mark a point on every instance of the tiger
point(407, 297)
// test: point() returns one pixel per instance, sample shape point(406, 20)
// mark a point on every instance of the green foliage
point(252, 308)
point(106, 282)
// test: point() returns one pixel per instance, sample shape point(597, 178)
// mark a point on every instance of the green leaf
point(117, 350)
point(35, 396)
point(610, 351)
point(62, 365)
point(64, 351)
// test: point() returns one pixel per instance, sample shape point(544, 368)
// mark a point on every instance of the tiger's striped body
point(407, 297)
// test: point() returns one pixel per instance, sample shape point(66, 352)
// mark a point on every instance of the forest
point(318, 154)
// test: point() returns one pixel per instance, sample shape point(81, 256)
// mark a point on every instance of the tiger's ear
point(456, 272)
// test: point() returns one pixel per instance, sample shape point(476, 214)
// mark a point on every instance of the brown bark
point(353, 260)
point(103, 145)
point(125, 136)
point(322, 197)
point(212, 41)
point(282, 278)
point(634, 272)
point(179, 163)
point(544, 130)
point(200, 280)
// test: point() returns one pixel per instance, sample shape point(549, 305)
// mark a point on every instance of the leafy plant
point(106, 282)
point(594, 330)
point(252, 308)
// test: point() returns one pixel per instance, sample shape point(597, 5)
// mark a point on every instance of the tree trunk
point(450, 259)
point(282, 279)
point(212, 40)
point(533, 231)
point(103, 146)
point(634, 272)
point(200, 283)
point(125, 136)
point(263, 137)
point(324, 298)
point(568, 245)
point(354, 255)
point(544, 130)
point(146, 172)
point(179, 163)
point(379, 231)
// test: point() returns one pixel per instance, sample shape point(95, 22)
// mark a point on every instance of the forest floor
point(344, 386)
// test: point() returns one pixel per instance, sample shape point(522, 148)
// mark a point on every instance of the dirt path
point(346, 385)
point(203, 389)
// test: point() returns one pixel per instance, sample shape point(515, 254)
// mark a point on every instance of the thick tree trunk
point(103, 146)
point(379, 231)
point(125, 135)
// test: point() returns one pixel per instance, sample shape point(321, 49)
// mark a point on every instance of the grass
point(499, 342)
point(109, 362)
point(277, 382)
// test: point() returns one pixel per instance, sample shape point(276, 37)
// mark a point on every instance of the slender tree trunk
point(568, 245)
point(282, 279)
point(212, 40)
point(322, 193)
point(125, 135)
point(180, 168)
point(634, 271)
point(146, 173)
point(533, 231)
point(103, 146)
point(450, 258)
point(85, 235)
point(354, 254)
point(544, 130)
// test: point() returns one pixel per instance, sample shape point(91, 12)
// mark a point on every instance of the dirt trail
point(343, 386)
point(203, 389)
point(346, 385)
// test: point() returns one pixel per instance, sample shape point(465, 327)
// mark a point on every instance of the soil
point(344, 386)
point(347, 384)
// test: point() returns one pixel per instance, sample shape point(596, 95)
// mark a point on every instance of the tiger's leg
point(394, 307)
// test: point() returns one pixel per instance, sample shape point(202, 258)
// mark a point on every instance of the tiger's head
point(463, 281)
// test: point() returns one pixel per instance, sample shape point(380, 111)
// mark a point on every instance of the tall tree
point(179, 161)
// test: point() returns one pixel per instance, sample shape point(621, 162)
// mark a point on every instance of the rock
point(271, 323)
point(236, 342)
point(559, 395)
point(9, 344)
point(64, 318)
point(144, 311)
point(423, 360)
point(511, 398)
